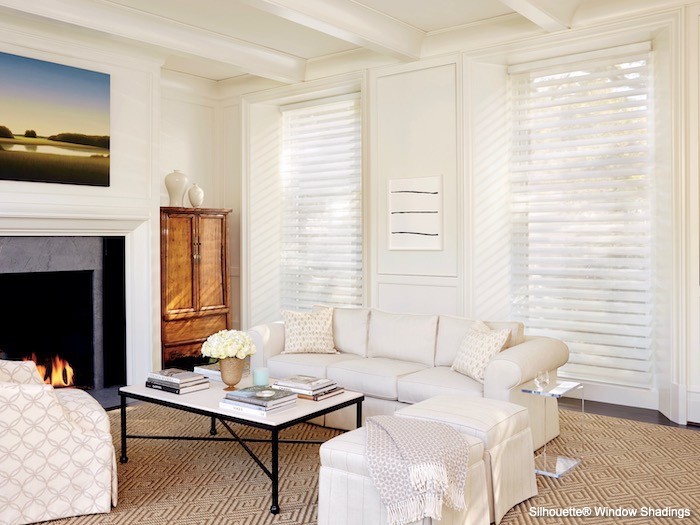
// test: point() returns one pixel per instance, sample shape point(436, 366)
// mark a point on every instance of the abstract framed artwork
point(415, 214)
point(54, 122)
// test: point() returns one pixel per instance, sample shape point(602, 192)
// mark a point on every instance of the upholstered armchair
point(56, 453)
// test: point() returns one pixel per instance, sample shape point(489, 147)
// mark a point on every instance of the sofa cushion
point(374, 376)
point(350, 329)
point(416, 387)
point(451, 332)
point(477, 348)
point(308, 332)
point(402, 336)
point(491, 420)
point(285, 365)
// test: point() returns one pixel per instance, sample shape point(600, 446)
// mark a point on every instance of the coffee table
point(206, 403)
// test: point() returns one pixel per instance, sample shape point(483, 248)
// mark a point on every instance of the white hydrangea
point(228, 343)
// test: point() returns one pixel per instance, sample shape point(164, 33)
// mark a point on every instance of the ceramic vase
point(196, 195)
point(176, 184)
point(231, 371)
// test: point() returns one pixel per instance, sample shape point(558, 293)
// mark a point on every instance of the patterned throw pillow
point(23, 372)
point(308, 332)
point(479, 345)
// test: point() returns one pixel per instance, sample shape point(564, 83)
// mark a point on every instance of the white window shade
point(321, 259)
point(582, 206)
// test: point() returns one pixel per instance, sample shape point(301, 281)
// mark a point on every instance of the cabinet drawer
point(192, 329)
point(173, 353)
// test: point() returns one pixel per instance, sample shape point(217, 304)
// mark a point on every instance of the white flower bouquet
point(228, 343)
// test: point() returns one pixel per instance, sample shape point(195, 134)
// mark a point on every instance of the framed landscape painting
point(54, 122)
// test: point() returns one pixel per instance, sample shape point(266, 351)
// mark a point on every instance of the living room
point(203, 87)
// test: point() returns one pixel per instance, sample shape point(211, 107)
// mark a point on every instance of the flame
point(61, 373)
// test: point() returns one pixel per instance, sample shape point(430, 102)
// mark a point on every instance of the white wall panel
point(188, 139)
point(487, 247)
point(414, 121)
point(426, 297)
point(232, 161)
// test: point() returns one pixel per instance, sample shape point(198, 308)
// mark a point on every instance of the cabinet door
point(212, 263)
point(178, 272)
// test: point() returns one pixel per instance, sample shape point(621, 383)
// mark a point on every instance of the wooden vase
point(231, 371)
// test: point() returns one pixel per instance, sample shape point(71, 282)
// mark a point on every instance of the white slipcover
point(57, 457)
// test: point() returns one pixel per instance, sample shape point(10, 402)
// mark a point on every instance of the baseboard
point(694, 407)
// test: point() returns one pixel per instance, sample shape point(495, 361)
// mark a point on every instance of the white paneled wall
point(127, 207)
point(449, 116)
point(414, 133)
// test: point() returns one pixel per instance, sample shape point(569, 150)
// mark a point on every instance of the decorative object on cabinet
point(195, 282)
point(196, 195)
point(176, 184)
point(415, 214)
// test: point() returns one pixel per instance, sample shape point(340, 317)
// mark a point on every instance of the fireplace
point(64, 307)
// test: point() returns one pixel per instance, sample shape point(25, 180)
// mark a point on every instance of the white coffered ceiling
point(219, 39)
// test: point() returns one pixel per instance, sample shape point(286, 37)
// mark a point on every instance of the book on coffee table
point(325, 395)
point(307, 385)
point(177, 389)
point(212, 371)
point(306, 391)
point(262, 396)
point(305, 382)
point(175, 376)
point(255, 410)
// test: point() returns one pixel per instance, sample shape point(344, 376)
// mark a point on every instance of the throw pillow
point(479, 345)
point(308, 332)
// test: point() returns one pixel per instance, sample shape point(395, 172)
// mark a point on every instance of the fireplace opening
point(48, 317)
point(63, 306)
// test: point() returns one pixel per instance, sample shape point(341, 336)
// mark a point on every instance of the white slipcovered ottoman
point(504, 428)
point(346, 494)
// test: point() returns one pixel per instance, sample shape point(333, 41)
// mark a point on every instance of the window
point(321, 239)
point(582, 174)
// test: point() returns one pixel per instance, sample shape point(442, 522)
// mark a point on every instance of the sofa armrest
point(268, 340)
point(520, 363)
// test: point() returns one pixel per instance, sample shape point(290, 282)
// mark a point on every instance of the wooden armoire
point(195, 281)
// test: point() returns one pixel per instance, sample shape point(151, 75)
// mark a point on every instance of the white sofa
point(401, 359)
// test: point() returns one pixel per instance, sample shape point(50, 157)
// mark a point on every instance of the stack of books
point(258, 400)
point(309, 387)
point(177, 381)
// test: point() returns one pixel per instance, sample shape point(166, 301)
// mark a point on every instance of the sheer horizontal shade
point(581, 208)
point(321, 257)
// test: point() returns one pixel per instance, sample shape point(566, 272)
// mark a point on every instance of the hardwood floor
point(624, 412)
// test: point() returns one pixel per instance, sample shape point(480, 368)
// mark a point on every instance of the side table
point(553, 465)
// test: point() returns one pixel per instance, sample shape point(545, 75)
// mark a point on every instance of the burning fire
point(60, 374)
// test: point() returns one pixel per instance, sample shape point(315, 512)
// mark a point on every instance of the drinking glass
point(542, 379)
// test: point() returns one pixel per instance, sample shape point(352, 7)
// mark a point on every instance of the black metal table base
point(272, 472)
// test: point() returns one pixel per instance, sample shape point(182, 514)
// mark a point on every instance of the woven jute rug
point(625, 465)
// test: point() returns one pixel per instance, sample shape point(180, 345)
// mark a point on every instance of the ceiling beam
point(351, 22)
point(540, 13)
point(158, 31)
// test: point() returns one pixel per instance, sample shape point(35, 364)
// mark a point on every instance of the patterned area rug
point(626, 464)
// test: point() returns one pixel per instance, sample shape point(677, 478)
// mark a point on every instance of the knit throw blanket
point(416, 466)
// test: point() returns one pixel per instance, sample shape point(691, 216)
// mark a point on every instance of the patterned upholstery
point(23, 372)
point(57, 454)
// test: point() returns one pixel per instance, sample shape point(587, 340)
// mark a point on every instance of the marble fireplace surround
point(140, 277)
